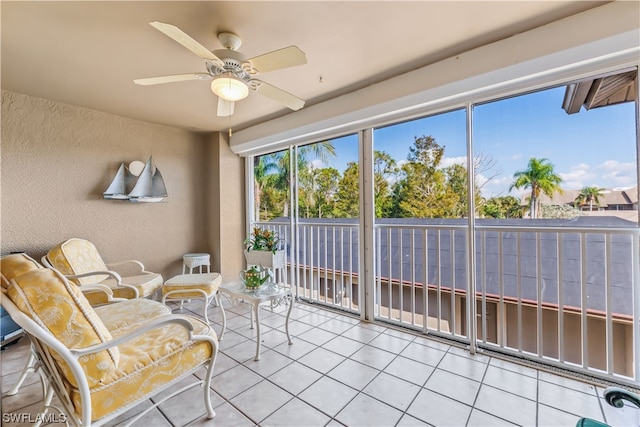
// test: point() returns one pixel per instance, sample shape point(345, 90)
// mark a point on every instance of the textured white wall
point(57, 160)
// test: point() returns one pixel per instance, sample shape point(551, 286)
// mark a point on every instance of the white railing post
point(472, 324)
point(366, 266)
point(636, 308)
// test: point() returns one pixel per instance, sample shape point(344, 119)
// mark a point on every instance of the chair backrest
point(62, 312)
point(77, 256)
point(45, 345)
point(13, 265)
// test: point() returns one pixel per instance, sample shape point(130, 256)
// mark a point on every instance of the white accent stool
point(193, 286)
point(192, 261)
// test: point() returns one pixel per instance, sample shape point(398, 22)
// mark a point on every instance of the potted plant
point(264, 248)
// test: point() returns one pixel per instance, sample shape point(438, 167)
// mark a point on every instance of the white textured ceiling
point(88, 53)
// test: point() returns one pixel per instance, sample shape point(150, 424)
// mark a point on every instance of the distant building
point(613, 202)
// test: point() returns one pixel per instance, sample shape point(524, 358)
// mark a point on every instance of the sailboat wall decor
point(149, 188)
point(121, 185)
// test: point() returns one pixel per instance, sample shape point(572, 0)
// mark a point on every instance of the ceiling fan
point(231, 73)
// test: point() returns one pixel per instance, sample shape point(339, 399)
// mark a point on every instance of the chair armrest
point(158, 322)
point(97, 287)
point(616, 396)
point(109, 273)
point(127, 268)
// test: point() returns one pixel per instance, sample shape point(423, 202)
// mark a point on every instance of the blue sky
point(590, 148)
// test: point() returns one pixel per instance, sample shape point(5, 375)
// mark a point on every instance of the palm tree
point(280, 163)
point(540, 177)
point(261, 168)
point(589, 195)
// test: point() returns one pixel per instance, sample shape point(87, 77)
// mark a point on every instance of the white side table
point(269, 292)
point(192, 261)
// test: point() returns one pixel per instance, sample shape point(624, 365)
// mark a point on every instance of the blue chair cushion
point(8, 326)
point(588, 422)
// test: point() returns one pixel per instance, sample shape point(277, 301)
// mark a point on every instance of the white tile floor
point(340, 371)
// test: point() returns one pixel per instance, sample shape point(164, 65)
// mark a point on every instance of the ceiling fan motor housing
point(234, 63)
point(229, 40)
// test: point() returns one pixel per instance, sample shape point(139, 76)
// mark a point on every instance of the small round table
point(268, 292)
point(192, 261)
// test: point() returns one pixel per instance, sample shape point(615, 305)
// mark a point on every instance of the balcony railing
point(565, 296)
point(324, 268)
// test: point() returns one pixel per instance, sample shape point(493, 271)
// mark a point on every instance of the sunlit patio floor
point(341, 371)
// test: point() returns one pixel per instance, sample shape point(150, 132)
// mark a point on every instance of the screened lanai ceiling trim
point(373, 106)
point(338, 117)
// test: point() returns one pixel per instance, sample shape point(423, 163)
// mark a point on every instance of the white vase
point(265, 259)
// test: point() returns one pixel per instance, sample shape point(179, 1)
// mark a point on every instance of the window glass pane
point(327, 235)
point(328, 179)
point(579, 165)
point(420, 168)
point(564, 175)
point(420, 189)
point(271, 183)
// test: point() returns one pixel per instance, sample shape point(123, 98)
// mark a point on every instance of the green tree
point(457, 183)
point(422, 190)
point(589, 195)
point(307, 190)
point(348, 194)
point(502, 207)
point(279, 165)
point(327, 181)
point(385, 169)
point(347, 203)
point(262, 167)
point(272, 200)
point(540, 178)
point(317, 190)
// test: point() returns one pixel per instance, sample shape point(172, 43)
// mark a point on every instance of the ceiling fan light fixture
point(229, 87)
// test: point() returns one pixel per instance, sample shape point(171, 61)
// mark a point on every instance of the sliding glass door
point(509, 224)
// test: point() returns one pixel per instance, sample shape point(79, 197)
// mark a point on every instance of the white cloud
point(448, 161)
point(608, 174)
point(316, 164)
point(496, 187)
point(578, 177)
point(618, 174)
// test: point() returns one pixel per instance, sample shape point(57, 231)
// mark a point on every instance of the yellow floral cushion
point(11, 266)
point(60, 308)
point(153, 359)
point(145, 283)
point(78, 256)
point(209, 282)
point(124, 316)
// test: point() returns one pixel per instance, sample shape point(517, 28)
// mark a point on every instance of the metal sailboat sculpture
point(149, 188)
point(121, 184)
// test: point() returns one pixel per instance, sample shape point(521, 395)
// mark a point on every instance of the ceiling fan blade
point(185, 40)
point(279, 95)
point(173, 78)
point(282, 58)
point(225, 108)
